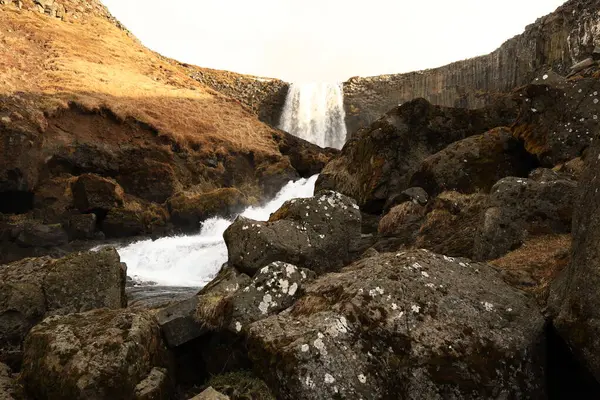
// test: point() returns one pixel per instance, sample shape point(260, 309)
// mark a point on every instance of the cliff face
point(265, 97)
point(556, 41)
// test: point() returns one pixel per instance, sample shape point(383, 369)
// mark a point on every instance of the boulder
point(133, 219)
point(474, 164)
point(407, 325)
point(415, 194)
point(557, 122)
point(451, 225)
point(101, 354)
point(319, 233)
point(149, 180)
point(35, 234)
point(403, 221)
point(241, 385)
point(574, 300)
point(188, 210)
point(521, 207)
point(379, 161)
point(92, 192)
point(33, 288)
point(82, 226)
point(53, 199)
point(573, 168)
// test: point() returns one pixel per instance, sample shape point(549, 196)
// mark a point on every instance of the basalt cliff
point(554, 42)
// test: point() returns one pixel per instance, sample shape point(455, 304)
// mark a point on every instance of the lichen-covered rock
point(521, 207)
point(157, 385)
point(92, 192)
point(574, 299)
point(318, 233)
point(241, 385)
point(37, 287)
point(187, 211)
point(273, 288)
point(415, 194)
point(379, 161)
point(474, 164)
point(557, 122)
point(452, 224)
point(101, 354)
point(406, 326)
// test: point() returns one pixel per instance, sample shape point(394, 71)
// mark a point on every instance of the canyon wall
point(263, 96)
point(556, 41)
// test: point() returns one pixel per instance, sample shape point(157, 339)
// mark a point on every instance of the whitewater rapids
point(194, 260)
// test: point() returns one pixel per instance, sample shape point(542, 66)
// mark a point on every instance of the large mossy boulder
point(95, 193)
point(101, 354)
point(378, 161)
point(319, 233)
point(474, 164)
point(405, 326)
point(33, 288)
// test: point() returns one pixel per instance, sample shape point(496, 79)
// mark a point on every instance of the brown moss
point(309, 304)
point(213, 310)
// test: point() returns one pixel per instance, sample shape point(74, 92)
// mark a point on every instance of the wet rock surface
point(318, 233)
point(100, 354)
point(380, 328)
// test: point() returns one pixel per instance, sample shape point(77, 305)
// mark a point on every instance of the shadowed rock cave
point(16, 202)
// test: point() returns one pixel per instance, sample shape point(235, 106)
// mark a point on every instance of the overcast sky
point(325, 40)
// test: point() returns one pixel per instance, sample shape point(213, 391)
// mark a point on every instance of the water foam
point(194, 260)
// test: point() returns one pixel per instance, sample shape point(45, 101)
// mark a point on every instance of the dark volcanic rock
point(452, 224)
point(33, 288)
point(474, 164)
point(319, 233)
point(379, 161)
point(8, 384)
point(101, 354)
point(521, 207)
point(82, 226)
point(574, 300)
point(33, 234)
point(188, 210)
point(558, 122)
point(408, 325)
point(92, 192)
point(403, 222)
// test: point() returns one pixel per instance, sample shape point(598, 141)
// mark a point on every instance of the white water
point(194, 260)
point(315, 112)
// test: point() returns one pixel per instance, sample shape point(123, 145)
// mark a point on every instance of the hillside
point(79, 94)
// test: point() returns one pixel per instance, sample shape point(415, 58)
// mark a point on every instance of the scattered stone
point(99, 354)
point(33, 234)
point(319, 233)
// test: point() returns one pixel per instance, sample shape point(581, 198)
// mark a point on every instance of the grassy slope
point(89, 59)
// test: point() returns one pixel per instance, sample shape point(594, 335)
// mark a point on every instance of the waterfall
point(315, 112)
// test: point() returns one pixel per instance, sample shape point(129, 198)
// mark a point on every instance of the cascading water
point(315, 112)
point(194, 260)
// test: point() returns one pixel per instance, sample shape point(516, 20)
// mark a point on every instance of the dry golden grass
point(96, 64)
point(534, 266)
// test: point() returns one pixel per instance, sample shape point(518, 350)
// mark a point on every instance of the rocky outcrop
point(8, 385)
point(407, 325)
point(34, 288)
point(474, 164)
point(101, 354)
point(556, 41)
point(319, 233)
point(520, 208)
point(378, 163)
point(263, 96)
point(574, 297)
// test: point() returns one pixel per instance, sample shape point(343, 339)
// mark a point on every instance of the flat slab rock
point(413, 325)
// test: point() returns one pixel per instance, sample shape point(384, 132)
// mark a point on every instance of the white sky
point(325, 40)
